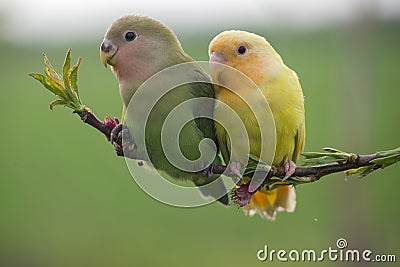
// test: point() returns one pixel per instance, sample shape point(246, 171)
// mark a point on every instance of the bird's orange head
point(247, 52)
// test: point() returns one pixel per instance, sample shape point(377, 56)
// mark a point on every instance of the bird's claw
point(235, 167)
point(121, 140)
point(119, 150)
point(290, 168)
point(241, 195)
point(116, 134)
point(208, 172)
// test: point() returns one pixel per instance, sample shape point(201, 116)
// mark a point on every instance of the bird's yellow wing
point(299, 142)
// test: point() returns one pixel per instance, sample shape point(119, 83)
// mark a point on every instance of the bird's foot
point(116, 139)
point(290, 168)
point(235, 168)
point(241, 195)
point(122, 142)
point(208, 172)
point(117, 134)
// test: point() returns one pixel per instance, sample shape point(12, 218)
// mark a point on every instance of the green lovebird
point(137, 48)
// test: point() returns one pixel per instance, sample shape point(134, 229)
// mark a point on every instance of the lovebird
point(139, 47)
point(279, 88)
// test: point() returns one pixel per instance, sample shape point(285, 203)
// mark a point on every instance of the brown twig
point(88, 117)
point(318, 171)
point(314, 172)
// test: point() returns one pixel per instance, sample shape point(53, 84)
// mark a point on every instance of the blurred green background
point(67, 200)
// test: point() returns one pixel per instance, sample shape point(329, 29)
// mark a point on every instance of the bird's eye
point(241, 49)
point(130, 36)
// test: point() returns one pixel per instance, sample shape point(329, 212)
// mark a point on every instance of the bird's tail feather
point(268, 202)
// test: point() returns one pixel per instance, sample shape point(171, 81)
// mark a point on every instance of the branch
point(64, 86)
point(88, 117)
point(316, 164)
point(106, 127)
point(332, 160)
point(328, 162)
point(319, 164)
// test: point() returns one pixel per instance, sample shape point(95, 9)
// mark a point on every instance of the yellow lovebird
point(253, 57)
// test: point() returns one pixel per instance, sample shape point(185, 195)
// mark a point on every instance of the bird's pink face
point(127, 56)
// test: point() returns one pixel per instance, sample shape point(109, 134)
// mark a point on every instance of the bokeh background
point(67, 200)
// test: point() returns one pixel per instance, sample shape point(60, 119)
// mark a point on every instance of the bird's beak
point(217, 62)
point(217, 58)
point(107, 52)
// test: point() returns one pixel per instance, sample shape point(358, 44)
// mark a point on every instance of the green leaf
point(73, 77)
point(331, 155)
point(319, 161)
point(361, 172)
point(331, 150)
point(57, 102)
point(65, 71)
point(334, 150)
point(386, 161)
point(342, 156)
point(49, 69)
point(67, 63)
point(66, 88)
point(253, 157)
point(48, 84)
point(395, 151)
